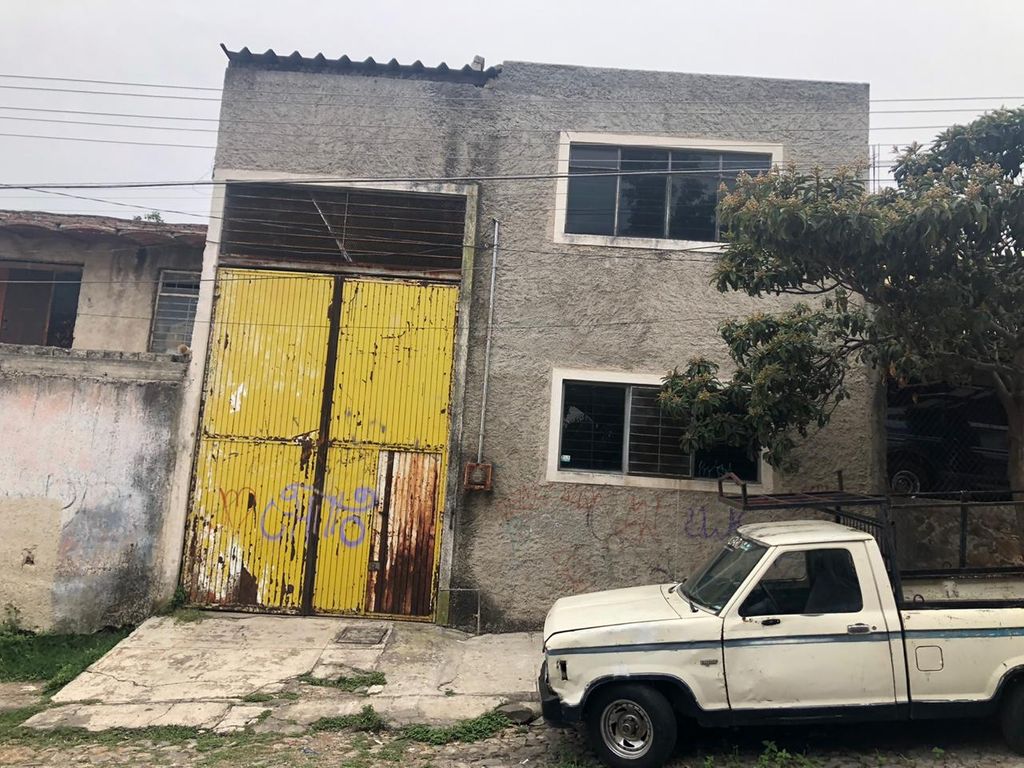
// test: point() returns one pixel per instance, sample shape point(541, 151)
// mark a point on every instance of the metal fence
point(959, 532)
point(942, 438)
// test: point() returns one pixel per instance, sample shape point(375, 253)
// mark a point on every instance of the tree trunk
point(1011, 396)
point(1015, 463)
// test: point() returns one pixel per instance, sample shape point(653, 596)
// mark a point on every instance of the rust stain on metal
point(403, 546)
point(247, 593)
point(307, 445)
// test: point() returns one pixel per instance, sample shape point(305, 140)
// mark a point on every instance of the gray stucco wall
point(83, 484)
point(566, 306)
point(119, 282)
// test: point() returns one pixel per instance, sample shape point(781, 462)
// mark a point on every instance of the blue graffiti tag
point(290, 493)
point(364, 499)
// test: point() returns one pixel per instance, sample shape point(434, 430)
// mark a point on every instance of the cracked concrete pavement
point(226, 672)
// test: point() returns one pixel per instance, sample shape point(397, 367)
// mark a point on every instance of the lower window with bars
point(620, 428)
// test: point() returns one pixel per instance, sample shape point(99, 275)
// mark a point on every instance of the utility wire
point(478, 135)
point(388, 126)
point(449, 98)
point(321, 181)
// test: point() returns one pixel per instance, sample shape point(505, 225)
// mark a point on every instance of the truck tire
point(631, 726)
point(1011, 718)
point(908, 476)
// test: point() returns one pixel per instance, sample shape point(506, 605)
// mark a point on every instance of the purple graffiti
point(340, 517)
point(365, 499)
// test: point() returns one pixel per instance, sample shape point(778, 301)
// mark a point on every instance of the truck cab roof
point(800, 532)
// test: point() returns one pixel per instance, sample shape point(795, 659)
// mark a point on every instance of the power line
point(109, 82)
point(108, 141)
point(110, 125)
point(449, 98)
point(383, 127)
point(480, 103)
point(116, 114)
point(335, 181)
point(677, 320)
point(410, 140)
point(285, 223)
point(107, 93)
point(390, 126)
point(478, 137)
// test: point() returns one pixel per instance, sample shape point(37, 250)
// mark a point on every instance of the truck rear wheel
point(631, 726)
point(1011, 718)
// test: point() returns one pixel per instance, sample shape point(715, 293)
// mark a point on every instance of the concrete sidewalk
point(228, 671)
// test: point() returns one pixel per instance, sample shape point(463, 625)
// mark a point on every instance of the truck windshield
point(715, 583)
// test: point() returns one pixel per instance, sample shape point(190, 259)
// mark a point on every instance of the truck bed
point(962, 590)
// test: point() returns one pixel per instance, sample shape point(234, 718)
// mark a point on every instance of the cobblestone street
point(947, 745)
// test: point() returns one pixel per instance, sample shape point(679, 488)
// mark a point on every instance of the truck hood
point(611, 608)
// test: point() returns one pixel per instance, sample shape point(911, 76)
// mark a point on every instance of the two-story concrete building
point(440, 303)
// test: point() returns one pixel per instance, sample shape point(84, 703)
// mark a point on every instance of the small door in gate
point(402, 542)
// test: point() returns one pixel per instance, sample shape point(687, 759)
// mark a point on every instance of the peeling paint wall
point(83, 484)
point(564, 306)
point(119, 282)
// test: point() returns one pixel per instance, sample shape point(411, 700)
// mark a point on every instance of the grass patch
point(211, 748)
point(365, 719)
point(257, 698)
point(359, 679)
point(394, 751)
point(565, 759)
point(57, 659)
point(466, 731)
point(11, 720)
point(262, 716)
point(188, 616)
point(774, 757)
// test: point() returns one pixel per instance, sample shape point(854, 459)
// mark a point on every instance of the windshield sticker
point(738, 542)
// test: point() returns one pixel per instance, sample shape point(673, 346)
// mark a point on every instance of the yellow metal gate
point(319, 481)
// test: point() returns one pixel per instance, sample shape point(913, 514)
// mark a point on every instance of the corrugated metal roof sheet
point(296, 62)
point(138, 232)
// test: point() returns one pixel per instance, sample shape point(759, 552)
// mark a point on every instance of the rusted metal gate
point(319, 480)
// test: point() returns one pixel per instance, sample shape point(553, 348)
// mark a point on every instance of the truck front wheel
point(631, 726)
point(1011, 718)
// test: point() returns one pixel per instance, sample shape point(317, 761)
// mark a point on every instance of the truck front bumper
point(555, 712)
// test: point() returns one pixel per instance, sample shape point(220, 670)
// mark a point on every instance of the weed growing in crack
point(773, 757)
point(365, 719)
point(351, 683)
point(257, 698)
point(476, 729)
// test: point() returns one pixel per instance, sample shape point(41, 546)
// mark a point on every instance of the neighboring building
point(90, 307)
point(346, 369)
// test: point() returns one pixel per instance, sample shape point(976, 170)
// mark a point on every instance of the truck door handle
point(771, 622)
point(858, 629)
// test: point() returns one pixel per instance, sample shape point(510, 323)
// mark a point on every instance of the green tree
point(923, 281)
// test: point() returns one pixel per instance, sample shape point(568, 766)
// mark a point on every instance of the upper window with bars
point(652, 192)
point(175, 311)
point(620, 428)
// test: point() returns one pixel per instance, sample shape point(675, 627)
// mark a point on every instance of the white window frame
point(160, 292)
point(557, 475)
point(567, 138)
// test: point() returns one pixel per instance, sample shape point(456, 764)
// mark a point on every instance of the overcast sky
point(904, 48)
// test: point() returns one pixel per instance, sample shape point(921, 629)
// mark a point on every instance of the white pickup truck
point(789, 622)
